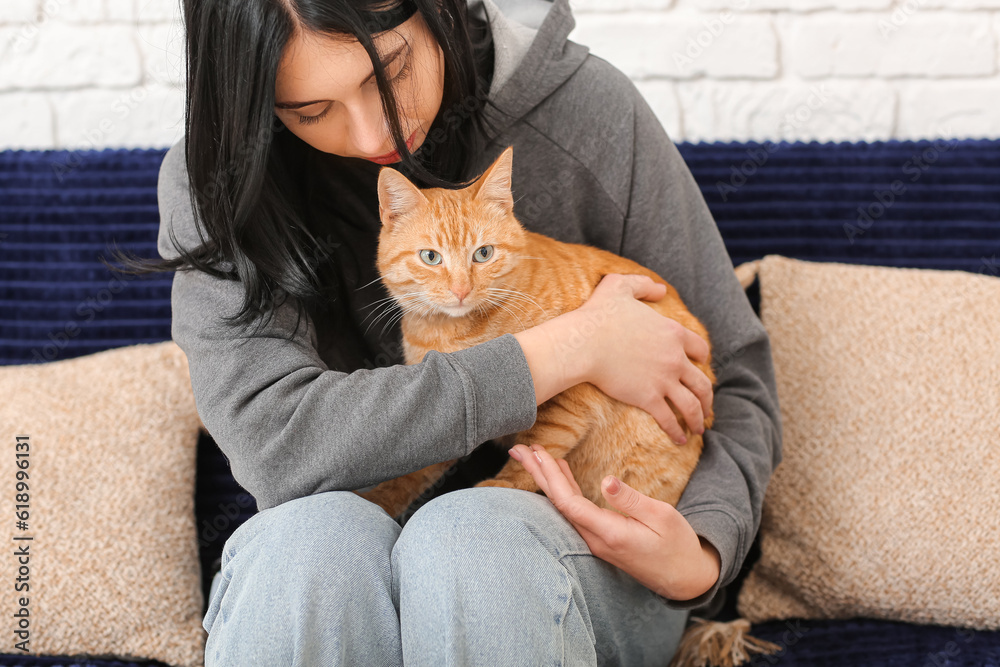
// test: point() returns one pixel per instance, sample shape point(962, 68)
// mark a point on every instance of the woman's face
point(326, 93)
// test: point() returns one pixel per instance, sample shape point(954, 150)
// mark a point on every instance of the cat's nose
point(461, 292)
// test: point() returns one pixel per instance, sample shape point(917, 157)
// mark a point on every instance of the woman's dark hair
point(236, 149)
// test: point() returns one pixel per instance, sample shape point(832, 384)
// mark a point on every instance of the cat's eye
point(430, 257)
point(483, 254)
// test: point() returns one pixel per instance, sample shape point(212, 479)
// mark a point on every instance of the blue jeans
point(479, 576)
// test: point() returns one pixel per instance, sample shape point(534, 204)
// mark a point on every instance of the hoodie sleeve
point(289, 425)
point(668, 228)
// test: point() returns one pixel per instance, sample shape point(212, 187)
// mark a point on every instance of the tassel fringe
point(714, 644)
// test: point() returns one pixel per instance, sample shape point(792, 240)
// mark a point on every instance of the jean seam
point(565, 613)
point(224, 582)
point(576, 553)
point(569, 596)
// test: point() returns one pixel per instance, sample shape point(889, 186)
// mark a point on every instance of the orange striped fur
point(528, 279)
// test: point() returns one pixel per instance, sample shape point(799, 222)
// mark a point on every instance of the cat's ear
point(494, 185)
point(397, 196)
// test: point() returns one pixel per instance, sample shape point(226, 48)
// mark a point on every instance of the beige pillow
point(113, 568)
point(886, 502)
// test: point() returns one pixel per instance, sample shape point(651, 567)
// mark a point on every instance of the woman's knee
point(310, 575)
point(336, 543)
point(337, 525)
point(485, 563)
point(487, 519)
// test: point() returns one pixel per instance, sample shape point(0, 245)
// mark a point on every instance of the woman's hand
point(654, 543)
point(643, 358)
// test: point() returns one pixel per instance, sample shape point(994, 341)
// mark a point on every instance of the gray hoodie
point(592, 165)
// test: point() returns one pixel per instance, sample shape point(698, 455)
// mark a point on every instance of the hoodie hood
point(532, 55)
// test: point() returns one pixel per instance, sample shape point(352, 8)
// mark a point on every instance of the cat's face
point(448, 252)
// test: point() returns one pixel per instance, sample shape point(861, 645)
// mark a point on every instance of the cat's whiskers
point(520, 307)
point(502, 297)
point(388, 304)
point(517, 294)
point(388, 298)
point(379, 302)
point(500, 304)
point(519, 322)
point(409, 308)
point(392, 320)
point(424, 314)
point(389, 307)
point(379, 313)
point(389, 310)
point(367, 284)
point(519, 302)
point(428, 308)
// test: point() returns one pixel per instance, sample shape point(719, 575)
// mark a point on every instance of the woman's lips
point(390, 158)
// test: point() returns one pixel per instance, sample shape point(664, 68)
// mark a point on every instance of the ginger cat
point(465, 271)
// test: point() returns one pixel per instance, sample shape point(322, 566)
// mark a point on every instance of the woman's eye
point(430, 257)
point(306, 120)
point(402, 73)
point(483, 254)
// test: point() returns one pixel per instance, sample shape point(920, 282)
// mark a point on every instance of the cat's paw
point(393, 509)
point(495, 482)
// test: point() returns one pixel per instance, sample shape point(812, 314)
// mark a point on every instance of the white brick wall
point(109, 73)
point(91, 73)
point(828, 70)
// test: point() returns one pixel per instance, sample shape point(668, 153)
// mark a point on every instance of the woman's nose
point(366, 127)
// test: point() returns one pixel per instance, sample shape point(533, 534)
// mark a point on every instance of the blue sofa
point(816, 201)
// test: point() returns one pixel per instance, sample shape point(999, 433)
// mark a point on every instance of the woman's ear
point(495, 185)
point(397, 196)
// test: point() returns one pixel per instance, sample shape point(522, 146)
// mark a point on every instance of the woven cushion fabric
point(104, 476)
point(884, 504)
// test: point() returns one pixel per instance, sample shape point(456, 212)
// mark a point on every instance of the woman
point(293, 106)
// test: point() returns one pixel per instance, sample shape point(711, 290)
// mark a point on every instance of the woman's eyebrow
point(385, 62)
point(390, 57)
